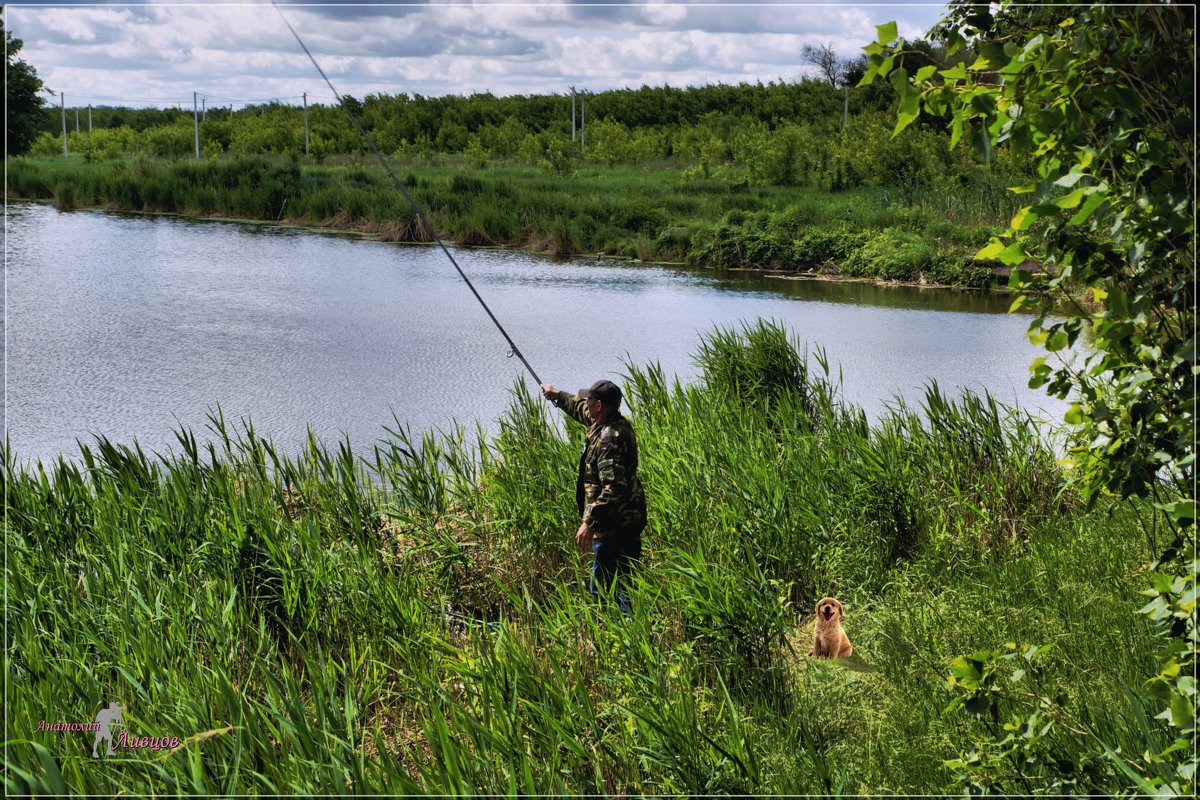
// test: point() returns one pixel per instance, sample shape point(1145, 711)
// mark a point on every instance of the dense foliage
point(23, 101)
point(1099, 101)
point(412, 619)
point(784, 134)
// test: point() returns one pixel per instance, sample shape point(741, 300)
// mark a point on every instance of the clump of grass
point(564, 238)
point(64, 196)
point(759, 365)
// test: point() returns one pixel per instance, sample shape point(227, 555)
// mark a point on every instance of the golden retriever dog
point(829, 640)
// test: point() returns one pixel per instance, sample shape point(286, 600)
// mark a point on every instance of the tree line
point(813, 133)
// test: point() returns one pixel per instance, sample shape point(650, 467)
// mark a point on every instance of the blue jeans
point(613, 559)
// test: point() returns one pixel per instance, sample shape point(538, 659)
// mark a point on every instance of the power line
point(180, 101)
point(125, 100)
point(275, 99)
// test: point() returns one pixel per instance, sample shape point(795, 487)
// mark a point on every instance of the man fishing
point(612, 504)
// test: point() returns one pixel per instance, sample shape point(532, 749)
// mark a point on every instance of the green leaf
point(1183, 715)
point(910, 100)
point(1019, 278)
point(991, 251)
point(956, 73)
point(1094, 199)
point(1012, 255)
point(966, 669)
point(1057, 341)
point(1074, 415)
point(956, 130)
point(1071, 200)
point(1069, 180)
point(1182, 510)
point(908, 111)
point(1117, 302)
point(1033, 44)
point(886, 33)
point(924, 73)
point(869, 77)
point(1023, 218)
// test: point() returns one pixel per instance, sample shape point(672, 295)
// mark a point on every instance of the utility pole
point(583, 122)
point(306, 123)
point(204, 109)
point(62, 105)
point(77, 118)
point(196, 119)
point(89, 119)
point(572, 113)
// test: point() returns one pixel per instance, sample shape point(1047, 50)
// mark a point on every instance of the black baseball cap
point(606, 392)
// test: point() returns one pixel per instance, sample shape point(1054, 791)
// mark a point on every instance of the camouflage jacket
point(607, 491)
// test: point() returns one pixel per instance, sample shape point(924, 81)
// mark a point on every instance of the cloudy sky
point(152, 53)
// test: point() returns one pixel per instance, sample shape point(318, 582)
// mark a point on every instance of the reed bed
point(413, 619)
point(621, 211)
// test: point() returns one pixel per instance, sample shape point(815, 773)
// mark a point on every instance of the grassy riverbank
point(412, 619)
point(911, 235)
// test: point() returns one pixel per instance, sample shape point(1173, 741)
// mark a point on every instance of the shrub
point(475, 155)
point(741, 240)
point(892, 255)
point(821, 246)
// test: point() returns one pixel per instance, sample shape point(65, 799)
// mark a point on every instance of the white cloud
point(153, 51)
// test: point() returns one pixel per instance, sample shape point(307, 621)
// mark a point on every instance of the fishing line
point(516, 351)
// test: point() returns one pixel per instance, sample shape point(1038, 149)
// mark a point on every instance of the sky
point(157, 54)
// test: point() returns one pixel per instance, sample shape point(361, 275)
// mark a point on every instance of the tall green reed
point(416, 620)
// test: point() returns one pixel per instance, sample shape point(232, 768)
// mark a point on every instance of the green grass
point(413, 619)
point(650, 214)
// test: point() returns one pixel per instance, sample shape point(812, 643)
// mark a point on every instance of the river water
point(129, 326)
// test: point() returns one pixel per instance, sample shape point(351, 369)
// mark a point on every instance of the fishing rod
point(514, 350)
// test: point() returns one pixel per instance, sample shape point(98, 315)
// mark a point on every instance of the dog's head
point(829, 609)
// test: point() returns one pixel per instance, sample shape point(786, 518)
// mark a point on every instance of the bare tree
point(826, 61)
